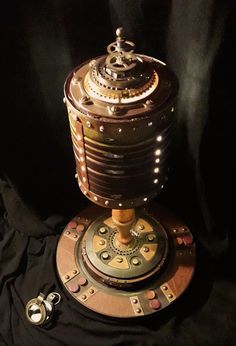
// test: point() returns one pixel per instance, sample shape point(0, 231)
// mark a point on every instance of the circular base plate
point(101, 292)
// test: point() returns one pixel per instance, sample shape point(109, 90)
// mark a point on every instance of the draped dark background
point(40, 43)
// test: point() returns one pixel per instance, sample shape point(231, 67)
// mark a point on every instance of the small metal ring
point(52, 298)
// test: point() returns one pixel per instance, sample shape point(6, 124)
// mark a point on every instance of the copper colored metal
point(123, 221)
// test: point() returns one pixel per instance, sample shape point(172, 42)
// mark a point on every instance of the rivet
point(101, 242)
point(119, 130)
point(146, 249)
point(119, 260)
point(120, 204)
point(158, 152)
point(103, 230)
point(170, 295)
point(75, 236)
point(106, 202)
point(67, 232)
point(157, 160)
point(101, 128)
point(95, 198)
point(84, 297)
point(156, 170)
point(138, 310)
point(76, 176)
point(162, 186)
point(134, 301)
point(150, 123)
point(145, 199)
point(155, 181)
point(135, 261)
point(159, 138)
point(165, 288)
point(67, 277)
point(150, 237)
point(141, 227)
point(91, 291)
point(105, 255)
point(174, 230)
point(74, 271)
point(172, 109)
point(88, 123)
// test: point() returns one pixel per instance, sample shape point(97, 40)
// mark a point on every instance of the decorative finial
point(120, 32)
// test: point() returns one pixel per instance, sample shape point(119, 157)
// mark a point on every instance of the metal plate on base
point(104, 295)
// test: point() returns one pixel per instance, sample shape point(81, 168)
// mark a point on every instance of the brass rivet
point(119, 260)
point(91, 291)
point(134, 301)
point(170, 295)
point(67, 277)
point(146, 249)
point(101, 242)
point(84, 297)
point(138, 310)
point(141, 227)
point(75, 236)
point(165, 288)
point(68, 232)
point(74, 271)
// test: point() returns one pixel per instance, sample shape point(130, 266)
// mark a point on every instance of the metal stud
point(119, 260)
point(141, 227)
point(106, 202)
point(156, 170)
point(95, 198)
point(155, 181)
point(105, 255)
point(103, 230)
point(119, 130)
point(150, 123)
point(84, 297)
point(157, 160)
point(135, 261)
point(158, 152)
point(101, 242)
point(172, 109)
point(145, 199)
point(67, 277)
point(146, 249)
point(88, 123)
point(134, 301)
point(101, 128)
point(159, 138)
point(91, 291)
point(138, 310)
point(170, 295)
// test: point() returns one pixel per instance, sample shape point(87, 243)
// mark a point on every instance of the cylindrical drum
point(120, 110)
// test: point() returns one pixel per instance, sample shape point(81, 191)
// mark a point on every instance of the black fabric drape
point(41, 43)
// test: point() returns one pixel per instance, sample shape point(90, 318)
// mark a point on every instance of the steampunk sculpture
point(132, 258)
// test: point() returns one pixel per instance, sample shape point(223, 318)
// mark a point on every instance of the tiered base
point(145, 277)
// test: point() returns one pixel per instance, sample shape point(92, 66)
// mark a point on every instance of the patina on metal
point(128, 261)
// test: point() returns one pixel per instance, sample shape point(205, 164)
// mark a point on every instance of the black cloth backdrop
point(41, 43)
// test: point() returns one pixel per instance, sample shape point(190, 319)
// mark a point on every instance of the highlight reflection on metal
point(39, 311)
point(121, 111)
